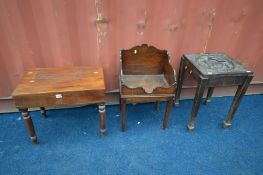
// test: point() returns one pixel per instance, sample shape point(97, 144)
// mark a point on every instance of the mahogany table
point(212, 70)
point(42, 87)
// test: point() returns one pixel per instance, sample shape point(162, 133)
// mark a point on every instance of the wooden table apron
point(241, 79)
point(73, 93)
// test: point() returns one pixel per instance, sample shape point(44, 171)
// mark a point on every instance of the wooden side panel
point(169, 73)
point(143, 60)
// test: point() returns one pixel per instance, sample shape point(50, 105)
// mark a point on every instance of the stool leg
point(123, 112)
point(198, 96)
point(102, 119)
point(180, 82)
point(209, 95)
point(120, 102)
point(157, 105)
point(43, 112)
point(29, 125)
point(167, 113)
point(241, 90)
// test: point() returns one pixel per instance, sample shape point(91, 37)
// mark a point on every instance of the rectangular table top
point(60, 86)
point(52, 80)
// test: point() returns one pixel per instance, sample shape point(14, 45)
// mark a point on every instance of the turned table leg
point(209, 95)
point(43, 112)
point(198, 96)
point(180, 82)
point(120, 102)
point(29, 125)
point(167, 112)
point(102, 119)
point(123, 112)
point(241, 90)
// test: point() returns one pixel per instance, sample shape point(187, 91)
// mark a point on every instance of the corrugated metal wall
point(48, 33)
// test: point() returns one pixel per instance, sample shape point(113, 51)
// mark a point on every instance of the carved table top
point(216, 63)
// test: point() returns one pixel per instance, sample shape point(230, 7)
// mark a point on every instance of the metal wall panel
point(49, 33)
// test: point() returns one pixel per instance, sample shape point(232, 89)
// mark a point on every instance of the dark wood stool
point(146, 76)
point(212, 70)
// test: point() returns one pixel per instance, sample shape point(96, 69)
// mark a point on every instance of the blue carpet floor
point(70, 141)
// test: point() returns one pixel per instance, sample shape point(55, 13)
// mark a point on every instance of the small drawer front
point(59, 99)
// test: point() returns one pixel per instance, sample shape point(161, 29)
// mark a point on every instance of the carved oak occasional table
point(42, 87)
point(212, 70)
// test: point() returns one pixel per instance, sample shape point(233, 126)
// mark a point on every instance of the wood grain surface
point(60, 86)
